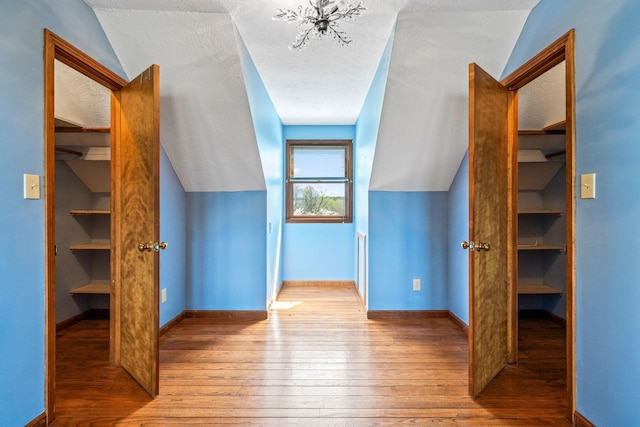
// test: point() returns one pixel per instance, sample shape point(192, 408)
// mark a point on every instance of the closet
point(541, 201)
point(83, 203)
point(93, 226)
point(82, 220)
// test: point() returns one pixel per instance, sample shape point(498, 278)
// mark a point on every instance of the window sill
point(319, 220)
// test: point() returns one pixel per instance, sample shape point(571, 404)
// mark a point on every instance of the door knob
point(468, 245)
point(157, 246)
point(145, 247)
point(475, 246)
point(483, 246)
point(152, 246)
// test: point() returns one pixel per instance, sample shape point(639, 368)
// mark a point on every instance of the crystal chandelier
point(323, 17)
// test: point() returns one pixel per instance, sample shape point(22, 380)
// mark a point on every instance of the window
point(319, 181)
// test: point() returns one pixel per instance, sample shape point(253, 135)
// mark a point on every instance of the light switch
point(31, 186)
point(588, 186)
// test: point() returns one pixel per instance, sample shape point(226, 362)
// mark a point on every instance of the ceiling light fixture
point(323, 16)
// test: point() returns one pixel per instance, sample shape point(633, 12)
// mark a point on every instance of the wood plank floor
point(317, 361)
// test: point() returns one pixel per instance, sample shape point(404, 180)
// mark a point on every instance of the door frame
point(55, 48)
point(563, 49)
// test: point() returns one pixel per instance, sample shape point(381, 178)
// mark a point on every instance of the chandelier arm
point(308, 17)
point(327, 8)
point(302, 39)
point(287, 15)
point(350, 13)
point(317, 7)
point(340, 36)
point(299, 17)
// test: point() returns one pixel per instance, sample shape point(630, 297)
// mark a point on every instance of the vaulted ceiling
point(206, 123)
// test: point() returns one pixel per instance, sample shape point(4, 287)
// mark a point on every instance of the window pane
point(318, 162)
point(318, 199)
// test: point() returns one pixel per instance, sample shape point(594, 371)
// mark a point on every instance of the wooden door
point(136, 204)
point(488, 198)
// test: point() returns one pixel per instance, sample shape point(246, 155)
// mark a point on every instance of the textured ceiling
point(206, 124)
point(542, 102)
point(79, 99)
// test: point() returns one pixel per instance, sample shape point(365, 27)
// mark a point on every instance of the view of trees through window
point(316, 200)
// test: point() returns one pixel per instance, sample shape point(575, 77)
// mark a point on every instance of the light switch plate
point(31, 186)
point(588, 186)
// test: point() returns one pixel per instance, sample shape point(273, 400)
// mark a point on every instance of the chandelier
point(323, 17)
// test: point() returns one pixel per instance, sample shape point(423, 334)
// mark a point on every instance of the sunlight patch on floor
point(284, 305)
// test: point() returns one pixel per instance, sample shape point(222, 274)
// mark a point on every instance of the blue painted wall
point(319, 251)
point(22, 221)
point(364, 149)
point(408, 239)
point(458, 259)
point(269, 135)
point(607, 129)
point(403, 244)
point(226, 250)
point(173, 230)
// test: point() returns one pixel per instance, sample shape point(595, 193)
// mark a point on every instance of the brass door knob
point(472, 246)
point(483, 246)
point(468, 245)
point(152, 246)
point(157, 246)
point(145, 247)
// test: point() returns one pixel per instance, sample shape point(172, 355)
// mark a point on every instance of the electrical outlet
point(164, 295)
point(416, 284)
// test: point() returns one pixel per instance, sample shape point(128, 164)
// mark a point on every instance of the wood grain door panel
point(138, 208)
point(488, 198)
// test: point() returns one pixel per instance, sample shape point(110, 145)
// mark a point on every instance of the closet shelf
point(92, 288)
point(540, 247)
point(540, 212)
point(89, 212)
point(91, 247)
point(80, 129)
point(559, 128)
point(537, 289)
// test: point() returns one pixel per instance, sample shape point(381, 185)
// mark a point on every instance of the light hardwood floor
point(317, 361)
